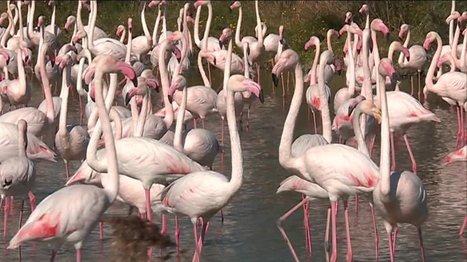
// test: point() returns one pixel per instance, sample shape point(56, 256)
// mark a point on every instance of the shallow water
point(249, 232)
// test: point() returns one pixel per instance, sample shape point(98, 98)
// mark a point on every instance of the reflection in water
point(249, 232)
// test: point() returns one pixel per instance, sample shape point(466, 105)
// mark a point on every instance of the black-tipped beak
point(214, 61)
point(352, 108)
point(221, 45)
point(135, 81)
point(127, 99)
point(170, 98)
point(275, 80)
point(261, 96)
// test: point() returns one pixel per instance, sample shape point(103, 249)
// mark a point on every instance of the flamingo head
point(313, 41)
point(108, 64)
point(3, 17)
point(120, 30)
point(226, 35)
point(386, 68)
point(85, 174)
point(364, 9)
point(40, 21)
point(140, 90)
point(354, 103)
point(462, 21)
point(70, 20)
point(155, 3)
point(240, 83)
point(178, 83)
point(453, 16)
point(348, 17)
point(199, 3)
point(286, 61)
point(403, 30)
point(430, 37)
point(235, 4)
point(378, 25)
point(443, 59)
point(80, 34)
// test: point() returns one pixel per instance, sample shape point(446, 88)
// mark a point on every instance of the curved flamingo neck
point(329, 39)
point(30, 19)
point(325, 115)
point(384, 167)
point(246, 70)
point(20, 28)
point(64, 103)
point(451, 24)
point(52, 20)
point(21, 73)
point(169, 114)
point(196, 29)
point(208, 26)
point(45, 80)
point(92, 24)
point(109, 165)
point(406, 45)
point(455, 42)
point(179, 124)
point(260, 36)
point(285, 156)
point(431, 70)
point(128, 45)
point(9, 27)
point(156, 27)
point(201, 69)
point(239, 26)
point(147, 34)
point(351, 67)
point(366, 86)
point(139, 129)
point(376, 56)
point(356, 124)
point(314, 67)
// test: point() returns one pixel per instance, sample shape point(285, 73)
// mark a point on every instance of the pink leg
point(334, 231)
point(375, 229)
point(148, 205)
point(248, 119)
point(281, 229)
point(209, 72)
point(393, 153)
point(6, 209)
point(391, 248)
point(164, 225)
point(461, 232)
point(283, 85)
point(411, 85)
point(67, 169)
point(52, 256)
point(101, 230)
point(347, 230)
point(78, 255)
point(177, 232)
point(420, 239)
point(194, 122)
point(306, 224)
point(412, 158)
point(314, 121)
point(32, 200)
point(394, 238)
point(21, 214)
point(81, 110)
point(419, 87)
point(222, 131)
point(372, 144)
point(326, 237)
point(203, 122)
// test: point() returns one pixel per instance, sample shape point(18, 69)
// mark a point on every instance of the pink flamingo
point(194, 194)
point(17, 176)
point(417, 60)
point(399, 197)
point(142, 44)
point(66, 215)
point(323, 164)
point(451, 86)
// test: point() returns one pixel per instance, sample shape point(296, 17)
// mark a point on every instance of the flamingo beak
point(275, 80)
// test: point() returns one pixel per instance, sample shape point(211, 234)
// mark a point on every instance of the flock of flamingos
point(171, 171)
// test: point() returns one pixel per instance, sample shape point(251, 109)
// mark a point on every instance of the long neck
point(5, 36)
point(128, 45)
point(147, 34)
point(406, 45)
point(169, 114)
point(92, 25)
point(235, 146)
point(115, 117)
point(463, 60)
point(79, 20)
point(351, 67)
point(434, 61)
point(384, 159)
point(122, 37)
point(138, 131)
point(52, 20)
point(196, 29)
point(328, 40)
point(325, 115)
point(21, 73)
point(30, 18)
point(358, 132)
point(22, 141)
point(46, 85)
point(375, 47)
point(285, 146)
point(179, 125)
point(258, 24)
point(64, 107)
point(239, 26)
point(367, 21)
point(108, 165)
point(208, 26)
point(451, 23)
point(366, 88)
point(314, 67)
point(455, 41)
point(20, 27)
point(246, 69)
point(201, 70)
point(156, 27)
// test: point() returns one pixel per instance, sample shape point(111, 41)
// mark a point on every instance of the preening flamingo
point(323, 164)
point(399, 197)
point(458, 155)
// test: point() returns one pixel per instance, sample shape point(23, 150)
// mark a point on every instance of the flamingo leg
point(419, 85)
point(314, 121)
point(248, 119)
point(422, 248)
point(222, 131)
point(375, 228)
point(32, 201)
point(164, 225)
point(412, 158)
point(334, 231)
point(461, 232)
point(21, 214)
point(306, 224)
point(81, 110)
point(222, 216)
point(52, 256)
point(209, 72)
point(177, 232)
point(281, 229)
point(194, 122)
point(203, 122)
point(148, 205)
point(326, 237)
point(391, 248)
point(6, 209)
point(283, 84)
point(459, 126)
point(396, 231)
point(411, 85)
point(347, 230)
point(101, 230)
point(356, 206)
point(78, 255)
point(67, 169)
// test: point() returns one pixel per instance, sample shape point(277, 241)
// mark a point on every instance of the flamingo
point(418, 56)
point(205, 200)
point(213, 43)
point(67, 215)
point(18, 90)
point(451, 86)
point(142, 44)
point(17, 176)
point(339, 169)
point(71, 142)
point(399, 197)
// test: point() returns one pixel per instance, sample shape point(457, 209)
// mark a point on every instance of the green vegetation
point(301, 19)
